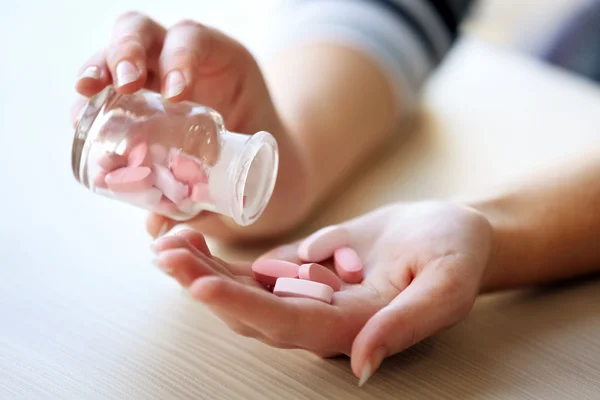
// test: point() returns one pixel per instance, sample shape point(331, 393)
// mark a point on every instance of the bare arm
point(547, 229)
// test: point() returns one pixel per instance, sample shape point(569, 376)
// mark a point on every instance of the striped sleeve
point(407, 38)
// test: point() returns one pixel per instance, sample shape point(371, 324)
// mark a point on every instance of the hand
point(423, 268)
point(193, 62)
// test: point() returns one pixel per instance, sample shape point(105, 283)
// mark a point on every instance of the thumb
point(434, 301)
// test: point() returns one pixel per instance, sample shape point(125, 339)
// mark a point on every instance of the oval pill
point(289, 287)
point(130, 179)
point(149, 198)
point(139, 155)
point(348, 265)
point(268, 271)
point(171, 187)
point(186, 169)
point(111, 161)
point(320, 245)
point(318, 273)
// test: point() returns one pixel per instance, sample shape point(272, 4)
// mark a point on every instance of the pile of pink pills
point(155, 177)
point(312, 280)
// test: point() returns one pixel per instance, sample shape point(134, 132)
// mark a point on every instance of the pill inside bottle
point(174, 159)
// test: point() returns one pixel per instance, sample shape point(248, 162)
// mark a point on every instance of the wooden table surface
point(84, 315)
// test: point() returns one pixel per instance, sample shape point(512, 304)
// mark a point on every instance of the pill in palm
point(129, 179)
point(320, 245)
point(318, 273)
point(290, 287)
point(348, 265)
point(186, 169)
point(139, 155)
point(166, 183)
point(111, 161)
point(267, 271)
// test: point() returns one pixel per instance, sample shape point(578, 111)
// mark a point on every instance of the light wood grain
point(83, 315)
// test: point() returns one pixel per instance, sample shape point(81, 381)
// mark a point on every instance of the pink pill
point(149, 198)
point(289, 287)
point(348, 265)
point(166, 206)
point(186, 205)
point(268, 271)
point(186, 169)
point(200, 193)
point(139, 156)
point(166, 183)
point(111, 161)
point(130, 179)
point(158, 154)
point(320, 245)
point(318, 273)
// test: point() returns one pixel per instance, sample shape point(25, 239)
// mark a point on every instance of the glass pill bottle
point(174, 159)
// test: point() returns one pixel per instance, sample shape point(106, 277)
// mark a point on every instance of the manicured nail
point(174, 84)
point(371, 366)
point(365, 375)
point(163, 229)
point(153, 248)
point(161, 267)
point(127, 73)
point(91, 72)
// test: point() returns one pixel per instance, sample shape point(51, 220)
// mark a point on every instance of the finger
point(93, 75)
point(158, 225)
point(431, 303)
point(192, 52)
point(196, 239)
point(287, 252)
point(304, 323)
point(186, 267)
point(136, 41)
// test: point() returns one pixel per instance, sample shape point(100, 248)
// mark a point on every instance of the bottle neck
point(242, 180)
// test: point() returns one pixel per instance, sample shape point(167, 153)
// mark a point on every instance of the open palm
point(423, 266)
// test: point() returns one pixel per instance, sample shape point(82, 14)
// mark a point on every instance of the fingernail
point(365, 375)
point(153, 248)
point(163, 229)
point(185, 294)
point(174, 84)
point(371, 366)
point(126, 73)
point(91, 72)
point(162, 267)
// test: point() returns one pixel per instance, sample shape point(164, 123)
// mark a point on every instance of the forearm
point(350, 71)
point(546, 230)
point(336, 104)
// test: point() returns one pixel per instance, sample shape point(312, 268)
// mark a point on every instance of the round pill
point(130, 179)
point(320, 245)
point(318, 273)
point(268, 271)
point(289, 287)
point(348, 265)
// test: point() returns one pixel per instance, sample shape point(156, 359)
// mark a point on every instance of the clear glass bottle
point(174, 159)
